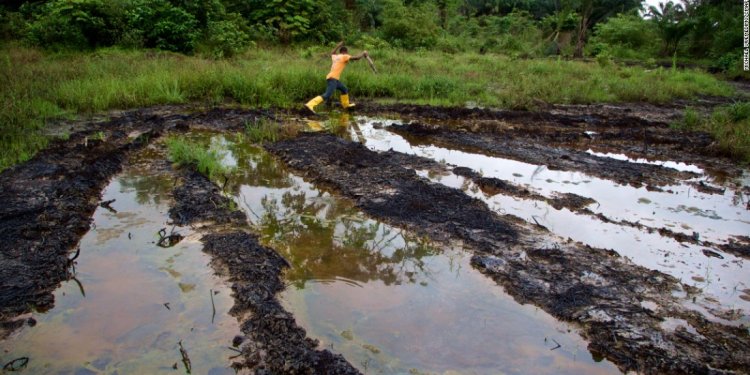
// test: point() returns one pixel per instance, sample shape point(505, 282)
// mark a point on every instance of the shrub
point(77, 24)
point(162, 25)
point(625, 36)
point(226, 38)
point(12, 25)
point(409, 27)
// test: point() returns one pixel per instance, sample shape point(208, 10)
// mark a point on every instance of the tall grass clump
point(191, 154)
point(729, 125)
point(262, 131)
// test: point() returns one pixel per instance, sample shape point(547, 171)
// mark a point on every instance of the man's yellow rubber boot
point(313, 102)
point(345, 101)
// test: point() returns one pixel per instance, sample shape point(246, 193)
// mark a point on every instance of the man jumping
point(340, 57)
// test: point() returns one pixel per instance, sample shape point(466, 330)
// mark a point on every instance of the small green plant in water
point(261, 130)
point(205, 161)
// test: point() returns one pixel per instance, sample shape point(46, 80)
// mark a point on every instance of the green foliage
point(514, 34)
point(625, 36)
point(369, 13)
point(673, 23)
point(409, 27)
point(204, 11)
point(262, 131)
point(717, 33)
point(730, 63)
point(162, 25)
point(560, 21)
point(729, 125)
point(709, 30)
point(78, 24)
point(12, 25)
point(226, 38)
point(289, 20)
point(187, 153)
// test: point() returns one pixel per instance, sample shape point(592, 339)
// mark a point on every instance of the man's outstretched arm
point(361, 55)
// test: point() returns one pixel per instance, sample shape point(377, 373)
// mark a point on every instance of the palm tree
point(673, 22)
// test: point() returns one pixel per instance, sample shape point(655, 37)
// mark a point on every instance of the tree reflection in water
point(323, 237)
point(326, 239)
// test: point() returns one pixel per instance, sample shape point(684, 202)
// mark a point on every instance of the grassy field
point(39, 86)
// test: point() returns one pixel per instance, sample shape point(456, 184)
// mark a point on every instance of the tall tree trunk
point(583, 27)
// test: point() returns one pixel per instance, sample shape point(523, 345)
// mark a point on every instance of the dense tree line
point(703, 29)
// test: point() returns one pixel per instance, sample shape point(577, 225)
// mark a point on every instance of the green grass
point(38, 86)
point(729, 125)
point(262, 131)
point(187, 153)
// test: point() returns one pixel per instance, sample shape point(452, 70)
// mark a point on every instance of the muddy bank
point(47, 202)
point(273, 343)
point(47, 205)
point(603, 293)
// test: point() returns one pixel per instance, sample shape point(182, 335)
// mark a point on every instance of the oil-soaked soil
point(273, 342)
point(47, 205)
point(536, 152)
point(491, 186)
point(625, 311)
point(48, 201)
point(639, 131)
point(592, 287)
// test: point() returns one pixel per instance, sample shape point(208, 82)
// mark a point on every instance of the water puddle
point(133, 302)
point(389, 301)
point(710, 217)
point(668, 164)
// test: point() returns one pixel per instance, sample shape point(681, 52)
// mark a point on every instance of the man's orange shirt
point(339, 63)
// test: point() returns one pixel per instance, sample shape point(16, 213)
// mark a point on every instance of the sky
point(655, 3)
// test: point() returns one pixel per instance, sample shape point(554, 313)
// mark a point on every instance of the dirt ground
point(47, 204)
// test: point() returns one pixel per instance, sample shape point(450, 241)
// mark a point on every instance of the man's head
point(343, 49)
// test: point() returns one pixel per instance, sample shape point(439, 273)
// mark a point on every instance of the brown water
point(389, 301)
point(117, 320)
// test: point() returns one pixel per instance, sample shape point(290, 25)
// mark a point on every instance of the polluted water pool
point(133, 304)
point(679, 208)
point(389, 301)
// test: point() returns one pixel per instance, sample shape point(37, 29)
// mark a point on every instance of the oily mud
point(535, 152)
point(352, 278)
point(379, 138)
point(630, 315)
point(637, 130)
point(675, 232)
point(491, 186)
point(594, 288)
point(48, 201)
point(273, 343)
point(131, 303)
